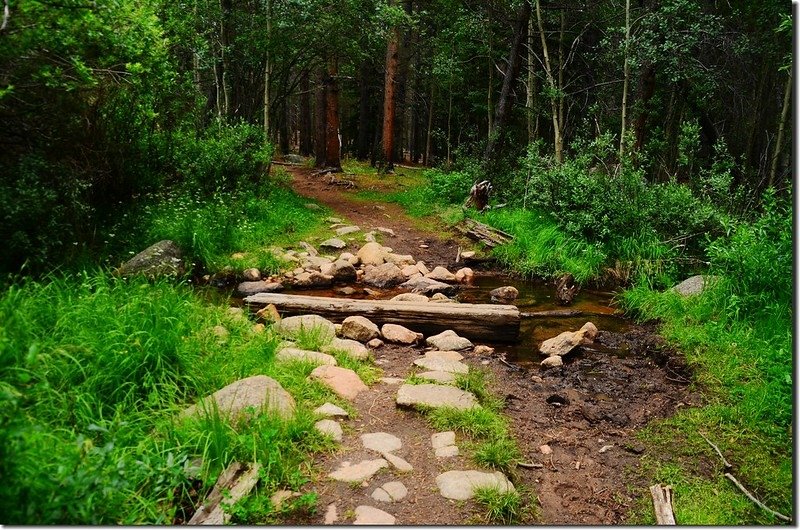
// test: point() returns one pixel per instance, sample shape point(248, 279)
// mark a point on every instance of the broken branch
point(756, 501)
point(662, 504)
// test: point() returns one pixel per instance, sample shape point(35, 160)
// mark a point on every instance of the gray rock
point(552, 361)
point(344, 382)
point(358, 472)
point(312, 279)
point(410, 297)
point(164, 258)
point(390, 492)
point(334, 243)
point(441, 274)
point(371, 254)
point(330, 428)
point(442, 378)
point(375, 343)
point(246, 396)
point(400, 260)
point(440, 298)
point(694, 285)
point(398, 463)
point(506, 293)
point(261, 286)
point(448, 340)
point(331, 411)
point(369, 237)
point(295, 354)
point(565, 342)
point(293, 158)
point(347, 291)
point(461, 485)
point(442, 365)
point(428, 286)
point(346, 230)
point(281, 496)
point(293, 326)
point(382, 442)
point(381, 495)
point(423, 269)
point(367, 515)
point(308, 248)
point(383, 276)
point(341, 270)
point(400, 334)
point(435, 396)
point(446, 452)
point(251, 275)
point(351, 348)
point(350, 258)
point(483, 350)
point(443, 439)
point(359, 328)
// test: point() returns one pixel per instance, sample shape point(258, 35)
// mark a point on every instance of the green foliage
point(477, 422)
point(502, 507)
point(500, 453)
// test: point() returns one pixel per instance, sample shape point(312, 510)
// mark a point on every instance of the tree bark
point(267, 68)
point(625, 78)
point(787, 99)
point(648, 88)
point(364, 118)
point(429, 134)
point(224, 36)
point(529, 101)
point(305, 115)
point(503, 109)
point(332, 141)
point(320, 116)
point(557, 140)
point(392, 61)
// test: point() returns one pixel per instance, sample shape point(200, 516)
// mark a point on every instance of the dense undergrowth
point(607, 224)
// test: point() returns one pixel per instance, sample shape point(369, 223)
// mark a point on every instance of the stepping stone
point(390, 492)
point(442, 365)
point(331, 410)
point(443, 439)
point(448, 340)
point(257, 392)
point(446, 355)
point(343, 381)
point(444, 378)
point(347, 230)
point(334, 243)
point(440, 274)
point(398, 463)
point(391, 380)
point(331, 514)
point(359, 328)
point(410, 297)
point(382, 442)
point(434, 396)
point(294, 354)
point(400, 334)
point(360, 472)
point(446, 452)
point(330, 428)
point(367, 515)
point(375, 343)
point(292, 326)
point(351, 348)
point(281, 496)
point(385, 230)
point(461, 485)
point(427, 286)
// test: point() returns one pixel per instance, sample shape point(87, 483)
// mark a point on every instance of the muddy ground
point(587, 412)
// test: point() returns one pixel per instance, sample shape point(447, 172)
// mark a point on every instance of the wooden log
point(233, 484)
point(662, 504)
point(491, 237)
point(492, 322)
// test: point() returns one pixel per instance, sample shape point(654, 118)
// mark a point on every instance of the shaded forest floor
point(575, 425)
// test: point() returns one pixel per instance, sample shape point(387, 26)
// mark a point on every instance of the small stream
point(534, 296)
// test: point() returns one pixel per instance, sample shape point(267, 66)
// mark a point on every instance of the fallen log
point(491, 237)
point(493, 322)
point(662, 504)
point(234, 483)
point(554, 313)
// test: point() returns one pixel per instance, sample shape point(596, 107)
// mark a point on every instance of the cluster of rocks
point(562, 344)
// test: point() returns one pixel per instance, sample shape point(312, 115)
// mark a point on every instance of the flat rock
point(344, 382)
point(435, 396)
point(330, 428)
point(343, 231)
point(442, 365)
point(443, 378)
point(350, 258)
point(441, 274)
point(409, 270)
point(257, 392)
point(400, 334)
point(296, 354)
point(260, 286)
point(347, 291)
point(483, 350)
point(334, 243)
point(308, 248)
point(385, 230)
point(461, 485)
point(381, 495)
point(382, 442)
point(330, 410)
point(391, 380)
point(359, 328)
point(351, 348)
point(375, 343)
point(281, 496)
point(469, 254)
point(398, 463)
point(410, 297)
point(251, 275)
point(694, 285)
point(448, 451)
point(331, 514)
point(423, 269)
point(444, 354)
point(428, 286)
point(293, 326)
point(448, 340)
point(390, 492)
point(360, 472)
point(164, 258)
point(400, 260)
point(312, 279)
point(341, 270)
point(371, 254)
point(383, 276)
point(565, 342)
point(367, 515)
point(443, 439)
point(441, 298)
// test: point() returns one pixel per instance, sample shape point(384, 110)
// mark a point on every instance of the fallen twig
point(724, 461)
point(530, 465)
point(756, 501)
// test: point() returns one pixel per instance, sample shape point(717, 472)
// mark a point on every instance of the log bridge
point(489, 322)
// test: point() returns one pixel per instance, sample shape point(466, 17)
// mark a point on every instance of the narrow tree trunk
point(429, 134)
point(503, 109)
point(558, 143)
point(561, 120)
point(332, 141)
point(305, 115)
point(225, 8)
point(267, 68)
point(320, 115)
point(625, 79)
point(364, 118)
point(787, 98)
point(392, 60)
point(489, 109)
point(648, 88)
point(529, 101)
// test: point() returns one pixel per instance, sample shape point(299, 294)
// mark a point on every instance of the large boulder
point(567, 341)
point(428, 286)
point(261, 286)
point(293, 326)
point(694, 285)
point(312, 279)
point(164, 258)
point(246, 396)
point(383, 276)
point(359, 328)
point(449, 340)
point(371, 254)
point(341, 270)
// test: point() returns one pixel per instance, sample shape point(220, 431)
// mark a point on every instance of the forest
point(629, 144)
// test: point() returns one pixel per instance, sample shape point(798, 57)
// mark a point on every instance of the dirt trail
point(586, 412)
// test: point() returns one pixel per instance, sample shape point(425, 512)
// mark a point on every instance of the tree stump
point(566, 289)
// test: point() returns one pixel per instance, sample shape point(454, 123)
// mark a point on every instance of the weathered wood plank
point(492, 322)
point(237, 480)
